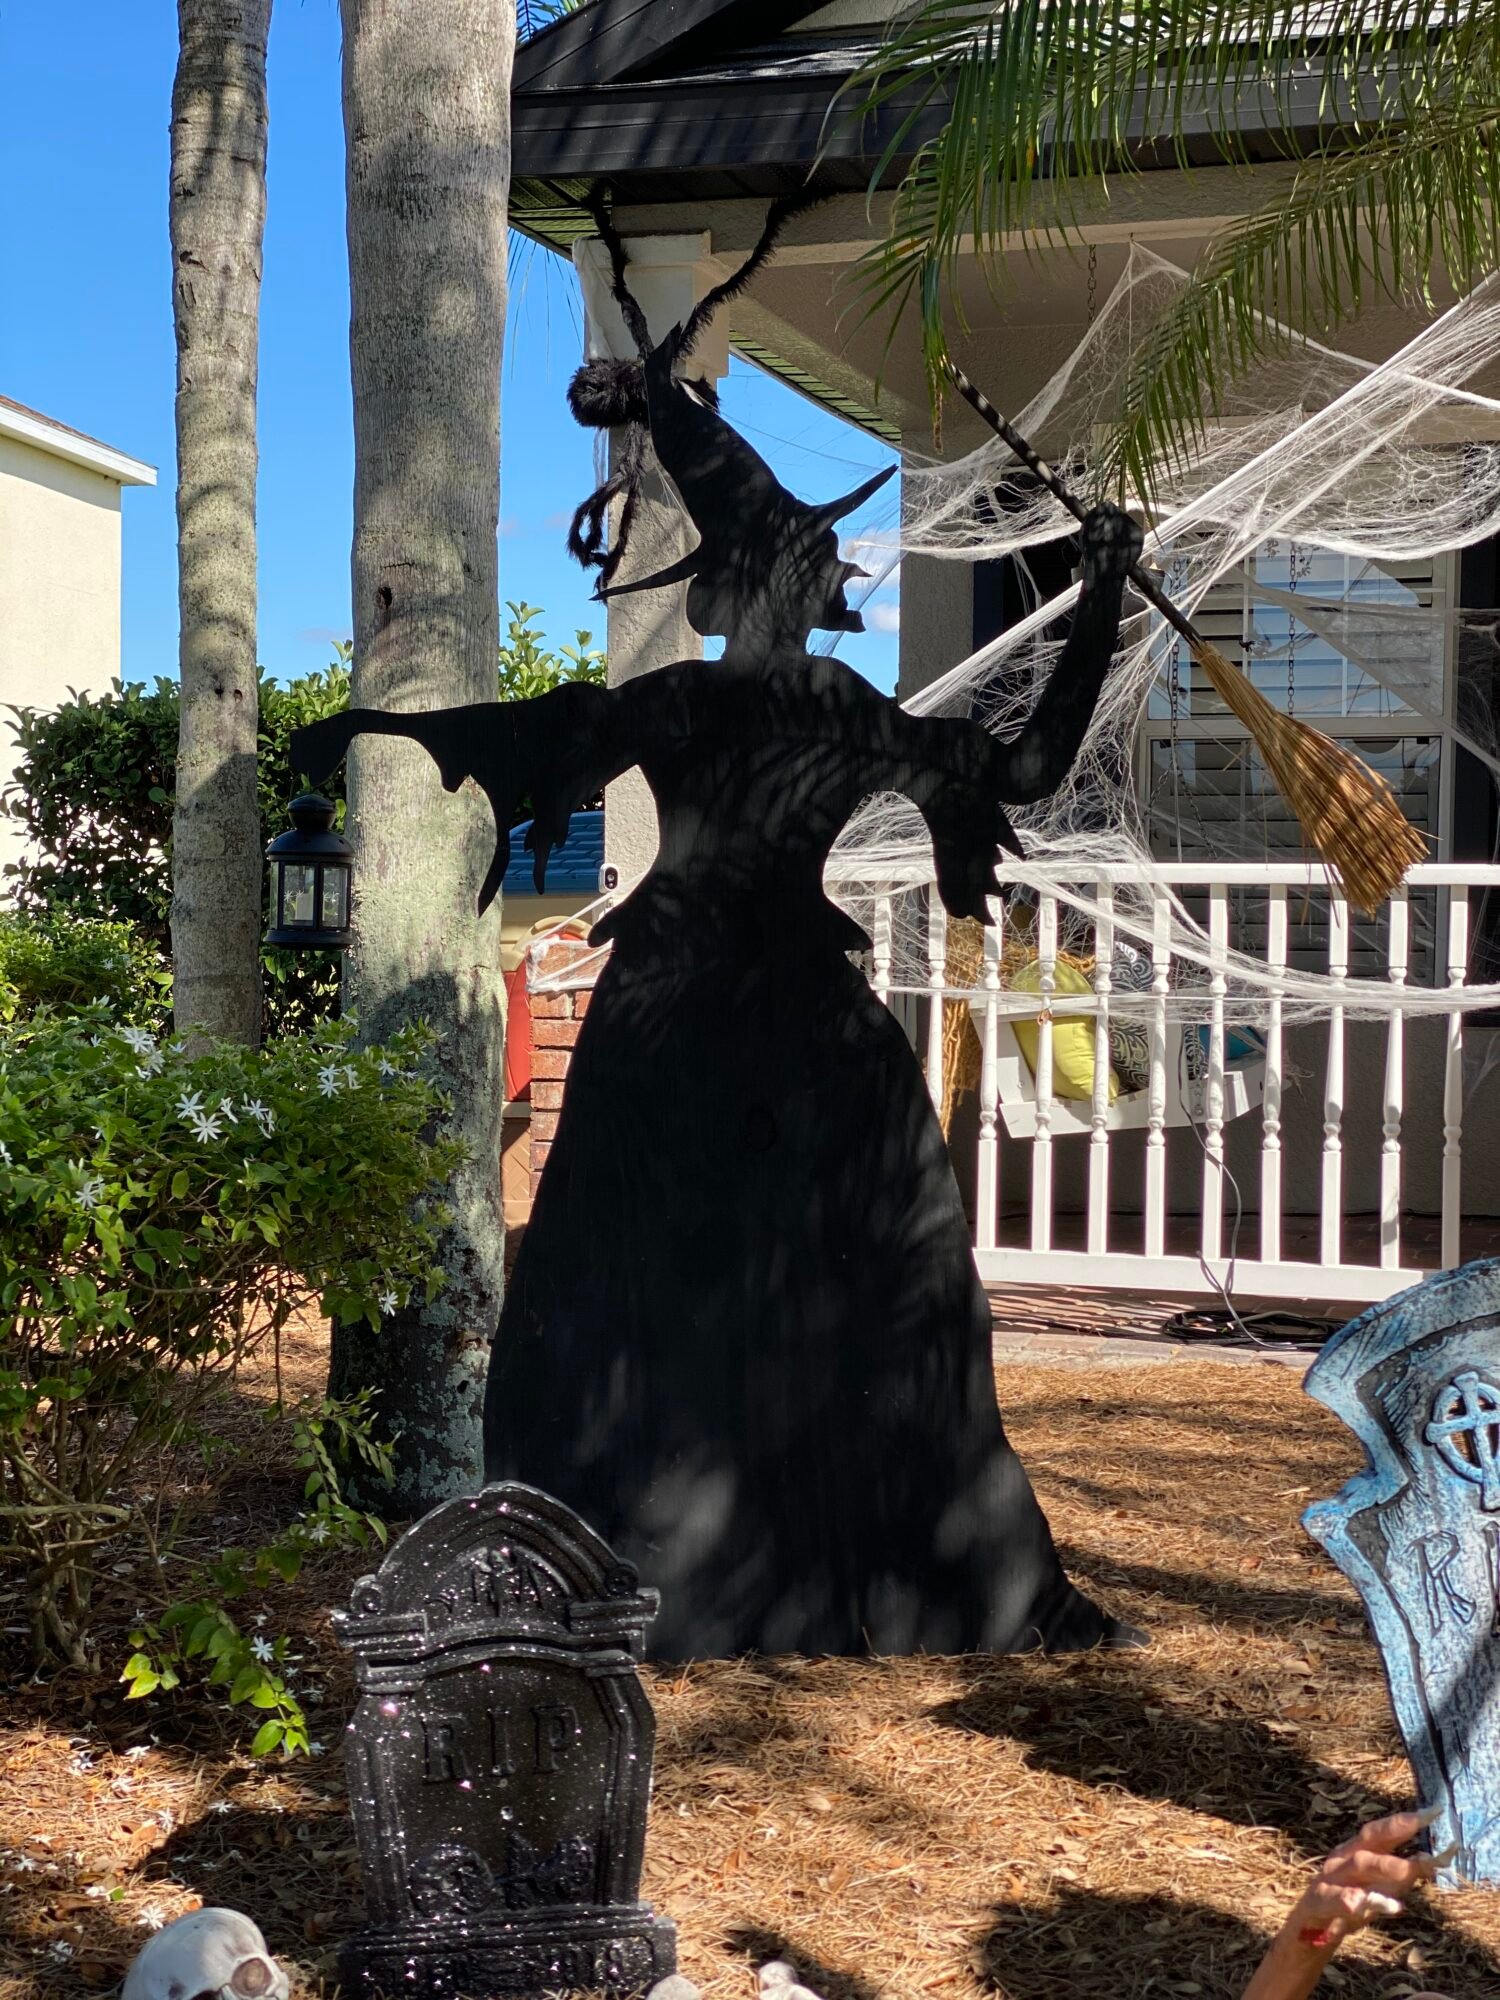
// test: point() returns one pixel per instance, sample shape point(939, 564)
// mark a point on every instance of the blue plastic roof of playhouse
point(572, 869)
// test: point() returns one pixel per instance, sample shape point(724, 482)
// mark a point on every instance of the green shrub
point(64, 962)
point(161, 1217)
point(528, 667)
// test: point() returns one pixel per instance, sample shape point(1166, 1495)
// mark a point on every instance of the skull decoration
point(209, 1955)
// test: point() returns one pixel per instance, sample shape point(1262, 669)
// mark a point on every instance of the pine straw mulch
point(1087, 1829)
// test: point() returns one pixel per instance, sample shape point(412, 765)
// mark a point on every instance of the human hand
point(1359, 1882)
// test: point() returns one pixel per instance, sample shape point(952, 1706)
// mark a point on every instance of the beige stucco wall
point(59, 589)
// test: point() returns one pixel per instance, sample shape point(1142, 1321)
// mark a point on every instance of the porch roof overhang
point(696, 113)
point(705, 100)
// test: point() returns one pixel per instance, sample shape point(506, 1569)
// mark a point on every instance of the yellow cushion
point(1072, 1035)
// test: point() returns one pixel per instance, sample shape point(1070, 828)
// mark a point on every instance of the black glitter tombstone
point(499, 1759)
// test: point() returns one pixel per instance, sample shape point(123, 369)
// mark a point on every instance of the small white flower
point(189, 1104)
point(165, 1820)
point(137, 1751)
point(388, 1302)
point(152, 1917)
point(328, 1080)
point(4, 1154)
point(226, 1110)
point(318, 1532)
point(176, 1048)
point(90, 1187)
point(24, 1865)
point(315, 1749)
point(138, 1040)
point(150, 1065)
point(260, 1617)
point(60, 1948)
point(387, 1069)
point(351, 1075)
point(82, 1764)
point(263, 1115)
point(262, 1649)
point(206, 1125)
point(221, 1806)
point(98, 1890)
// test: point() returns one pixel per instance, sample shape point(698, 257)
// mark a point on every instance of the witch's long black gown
point(745, 1338)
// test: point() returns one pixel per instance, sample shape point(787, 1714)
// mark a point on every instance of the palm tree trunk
point(427, 128)
point(217, 214)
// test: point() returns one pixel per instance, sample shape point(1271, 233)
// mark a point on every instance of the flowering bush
point(160, 1218)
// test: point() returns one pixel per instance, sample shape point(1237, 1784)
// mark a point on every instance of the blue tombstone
point(1418, 1534)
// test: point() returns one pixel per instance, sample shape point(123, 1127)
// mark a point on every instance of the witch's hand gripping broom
point(1349, 814)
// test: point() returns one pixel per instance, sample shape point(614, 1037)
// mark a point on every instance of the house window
point(1358, 648)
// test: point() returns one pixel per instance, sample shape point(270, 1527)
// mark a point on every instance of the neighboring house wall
point(59, 571)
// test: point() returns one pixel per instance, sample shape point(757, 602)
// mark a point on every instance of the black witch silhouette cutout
point(745, 1337)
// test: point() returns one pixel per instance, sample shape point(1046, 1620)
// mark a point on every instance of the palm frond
point(1383, 217)
point(985, 109)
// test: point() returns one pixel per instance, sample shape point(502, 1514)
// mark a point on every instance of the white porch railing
point(1292, 904)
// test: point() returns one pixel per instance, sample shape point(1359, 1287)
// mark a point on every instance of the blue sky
point(86, 333)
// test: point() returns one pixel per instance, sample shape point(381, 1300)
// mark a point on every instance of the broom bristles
point(1349, 814)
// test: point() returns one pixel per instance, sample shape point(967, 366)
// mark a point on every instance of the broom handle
point(1035, 464)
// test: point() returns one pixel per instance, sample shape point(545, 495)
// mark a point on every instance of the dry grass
point(1091, 1829)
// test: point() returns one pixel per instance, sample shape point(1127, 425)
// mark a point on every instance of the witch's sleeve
point(561, 748)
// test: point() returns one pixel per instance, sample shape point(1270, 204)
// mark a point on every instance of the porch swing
point(1074, 1053)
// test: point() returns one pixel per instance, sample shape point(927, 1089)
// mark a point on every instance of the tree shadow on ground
point(1257, 1606)
point(760, 1946)
point(1141, 1736)
point(1094, 1944)
point(294, 1872)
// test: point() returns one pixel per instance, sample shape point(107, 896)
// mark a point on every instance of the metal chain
point(1093, 282)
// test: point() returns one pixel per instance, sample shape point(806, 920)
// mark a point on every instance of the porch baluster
point(1156, 1126)
point(1213, 1099)
point(987, 1180)
point(1041, 1145)
point(1270, 1130)
point(1390, 1144)
point(1453, 1082)
point(937, 957)
point(881, 949)
point(1104, 945)
point(1330, 1250)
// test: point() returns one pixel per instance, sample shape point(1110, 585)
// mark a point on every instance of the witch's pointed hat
point(756, 539)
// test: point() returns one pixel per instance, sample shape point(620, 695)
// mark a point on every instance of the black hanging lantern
point(311, 870)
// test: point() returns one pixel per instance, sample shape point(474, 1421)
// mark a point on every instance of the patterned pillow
point(1130, 1034)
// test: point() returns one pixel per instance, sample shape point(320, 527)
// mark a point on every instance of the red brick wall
point(555, 1021)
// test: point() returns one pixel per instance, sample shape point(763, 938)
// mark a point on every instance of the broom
point(1349, 814)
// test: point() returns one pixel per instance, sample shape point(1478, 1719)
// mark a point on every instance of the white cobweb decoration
point(1377, 462)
